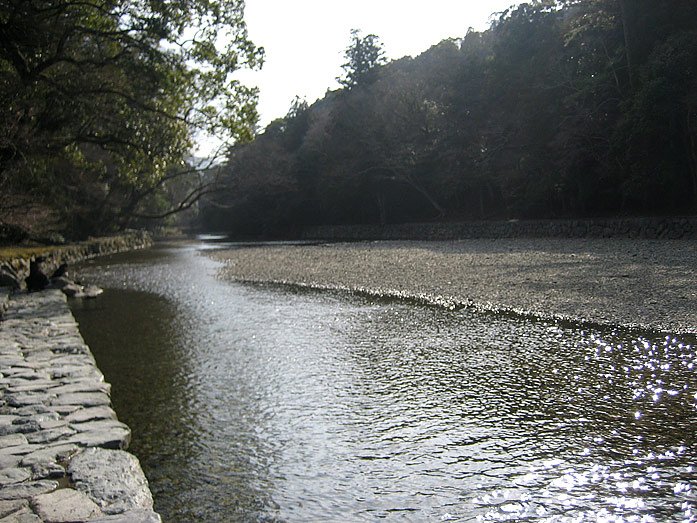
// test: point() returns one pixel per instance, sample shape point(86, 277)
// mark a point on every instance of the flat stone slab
point(49, 436)
point(24, 515)
point(8, 507)
point(10, 476)
point(27, 490)
point(65, 506)
point(82, 386)
point(112, 478)
point(13, 440)
point(28, 398)
point(19, 450)
point(113, 438)
point(6, 419)
point(84, 399)
point(90, 414)
point(102, 424)
point(132, 516)
point(9, 461)
point(54, 452)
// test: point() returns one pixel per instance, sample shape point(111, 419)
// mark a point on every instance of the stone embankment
point(62, 454)
point(75, 252)
point(671, 228)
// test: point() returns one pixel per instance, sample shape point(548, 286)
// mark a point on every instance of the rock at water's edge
point(112, 478)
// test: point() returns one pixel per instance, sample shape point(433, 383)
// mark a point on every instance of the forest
point(101, 102)
point(575, 108)
point(562, 108)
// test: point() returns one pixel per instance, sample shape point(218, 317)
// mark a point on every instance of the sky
point(304, 40)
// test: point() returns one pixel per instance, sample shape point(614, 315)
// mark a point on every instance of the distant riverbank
point(647, 228)
point(620, 282)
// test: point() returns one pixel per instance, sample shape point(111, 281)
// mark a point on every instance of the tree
point(563, 108)
point(363, 55)
point(113, 90)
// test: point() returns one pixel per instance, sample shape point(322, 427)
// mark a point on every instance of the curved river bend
point(263, 403)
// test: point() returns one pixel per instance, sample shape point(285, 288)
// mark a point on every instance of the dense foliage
point(561, 108)
point(99, 101)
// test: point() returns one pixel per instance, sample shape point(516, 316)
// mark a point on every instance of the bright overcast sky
point(305, 39)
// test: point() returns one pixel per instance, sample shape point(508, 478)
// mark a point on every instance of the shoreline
point(63, 454)
point(635, 284)
point(62, 451)
point(17, 258)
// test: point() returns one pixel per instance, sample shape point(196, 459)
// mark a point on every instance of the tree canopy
point(99, 101)
point(363, 55)
point(573, 108)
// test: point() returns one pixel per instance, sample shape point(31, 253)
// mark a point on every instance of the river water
point(266, 403)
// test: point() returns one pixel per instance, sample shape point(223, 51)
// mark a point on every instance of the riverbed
point(255, 402)
point(650, 284)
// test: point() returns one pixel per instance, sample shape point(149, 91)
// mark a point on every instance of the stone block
point(64, 506)
point(19, 450)
point(90, 414)
point(39, 419)
point(32, 410)
point(20, 428)
point(24, 515)
point(112, 478)
point(9, 461)
point(47, 455)
point(52, 424)
point(13, 440)
point(84, 399)
point(8, 507)
point(63, 410)
point(112, 438)
point(27, 490)
point(83, 386)
point(48, 436)
point(47, 471)
point(76, 372)
point(131, 516)
point(24, 399)
point(97, 425)
point(13, 475)
point(32, 386)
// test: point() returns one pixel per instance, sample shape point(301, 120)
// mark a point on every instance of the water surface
point(265, 403)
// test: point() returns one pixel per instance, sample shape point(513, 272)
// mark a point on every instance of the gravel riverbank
point(634, 283)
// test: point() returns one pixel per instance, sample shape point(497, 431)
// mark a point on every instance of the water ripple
point(263, 403)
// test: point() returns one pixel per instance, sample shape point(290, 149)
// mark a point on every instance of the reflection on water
point(252, 403)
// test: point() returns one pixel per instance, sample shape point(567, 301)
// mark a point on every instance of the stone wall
point(649, 228)
point(62, 448)
point(73, 253)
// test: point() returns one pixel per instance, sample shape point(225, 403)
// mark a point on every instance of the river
point(269, 403)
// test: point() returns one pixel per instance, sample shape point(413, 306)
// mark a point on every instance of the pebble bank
point(642, 284)
point(62, 448)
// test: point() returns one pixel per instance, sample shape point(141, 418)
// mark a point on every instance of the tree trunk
point(482, 208)
point(425, 194)
point(380, 200)
point(628, 13)
point(691, 144)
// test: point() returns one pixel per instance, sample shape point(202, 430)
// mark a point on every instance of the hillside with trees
point(572, 108)
point(100, 102)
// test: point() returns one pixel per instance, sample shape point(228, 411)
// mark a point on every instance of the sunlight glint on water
point(263, 403)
